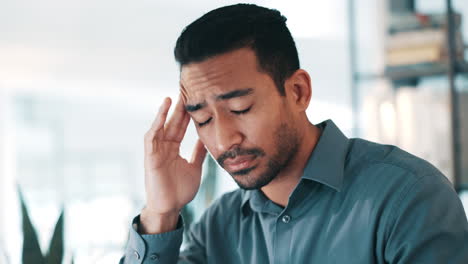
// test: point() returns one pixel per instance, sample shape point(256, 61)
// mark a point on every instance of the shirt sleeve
point(428, 225)
point(150, 249)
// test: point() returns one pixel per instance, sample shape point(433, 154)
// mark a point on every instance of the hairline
point(249, 45)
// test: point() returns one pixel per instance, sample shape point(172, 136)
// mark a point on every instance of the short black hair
point(237, 26)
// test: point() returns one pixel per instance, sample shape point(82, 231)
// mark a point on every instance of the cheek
point(208, 140)
point(259, 130)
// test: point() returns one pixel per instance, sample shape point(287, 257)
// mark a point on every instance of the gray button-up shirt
point(357, 202)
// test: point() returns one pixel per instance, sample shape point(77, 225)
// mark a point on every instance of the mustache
point(231, 154)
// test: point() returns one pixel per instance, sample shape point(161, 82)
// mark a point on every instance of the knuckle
point(147, 140)
point(149, 135)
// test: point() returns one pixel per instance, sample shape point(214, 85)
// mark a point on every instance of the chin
point(248, 186)
point(252, 181)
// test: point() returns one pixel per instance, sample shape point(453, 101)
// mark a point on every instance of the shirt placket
point(283, 234)
point(285, 225)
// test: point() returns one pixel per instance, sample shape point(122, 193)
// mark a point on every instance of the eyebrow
point(221, 97)
point(193, 108)
point(234, 94)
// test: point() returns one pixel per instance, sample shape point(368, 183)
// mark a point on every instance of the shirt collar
point(327, 161)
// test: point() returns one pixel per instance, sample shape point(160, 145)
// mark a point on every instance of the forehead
point(233, 70)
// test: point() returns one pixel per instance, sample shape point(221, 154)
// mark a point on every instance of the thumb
point(199, 153)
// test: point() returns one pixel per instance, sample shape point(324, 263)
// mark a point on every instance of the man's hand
point(171, 182)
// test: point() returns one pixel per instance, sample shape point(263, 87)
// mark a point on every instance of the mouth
point(239, 163)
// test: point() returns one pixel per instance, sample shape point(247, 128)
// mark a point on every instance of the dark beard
point(287, 143)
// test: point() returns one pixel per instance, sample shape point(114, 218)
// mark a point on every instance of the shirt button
point(286, 219)
point(154, 257)
point(136, 255)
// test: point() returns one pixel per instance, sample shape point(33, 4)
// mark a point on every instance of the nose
point(227, 133)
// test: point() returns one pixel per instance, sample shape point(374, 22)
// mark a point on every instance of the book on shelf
point(430, 53)
point(420, 49)
point(427, 36)
point(428, 45)
point(415, 55)
point(416, 21)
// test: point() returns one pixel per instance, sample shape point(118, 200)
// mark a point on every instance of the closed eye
point(204, 123)
point(242, 111)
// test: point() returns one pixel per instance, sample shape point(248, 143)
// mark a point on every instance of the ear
point(298, 89)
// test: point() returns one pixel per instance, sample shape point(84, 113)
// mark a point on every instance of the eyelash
point(204, 123)
point(241, 112)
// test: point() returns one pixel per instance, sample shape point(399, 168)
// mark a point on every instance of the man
point(307, 193)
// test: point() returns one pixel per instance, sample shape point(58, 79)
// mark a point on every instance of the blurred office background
point(80, 83)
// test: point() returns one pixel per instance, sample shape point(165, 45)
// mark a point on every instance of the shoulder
point(399, 183)
point(391, 176)
point(388, 162)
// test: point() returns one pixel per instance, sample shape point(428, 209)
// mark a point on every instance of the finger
point(174, 125)
point(199, 154)
point(183, 128)
point(160, 119)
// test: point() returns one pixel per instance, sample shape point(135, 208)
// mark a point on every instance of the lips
point(239, 163)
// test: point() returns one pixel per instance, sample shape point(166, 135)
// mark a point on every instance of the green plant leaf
point(31, 250)
point(55, 253)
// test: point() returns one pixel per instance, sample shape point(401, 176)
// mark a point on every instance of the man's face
point(240, 116)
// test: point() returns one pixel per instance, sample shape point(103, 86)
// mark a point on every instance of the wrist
point(152, 222)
